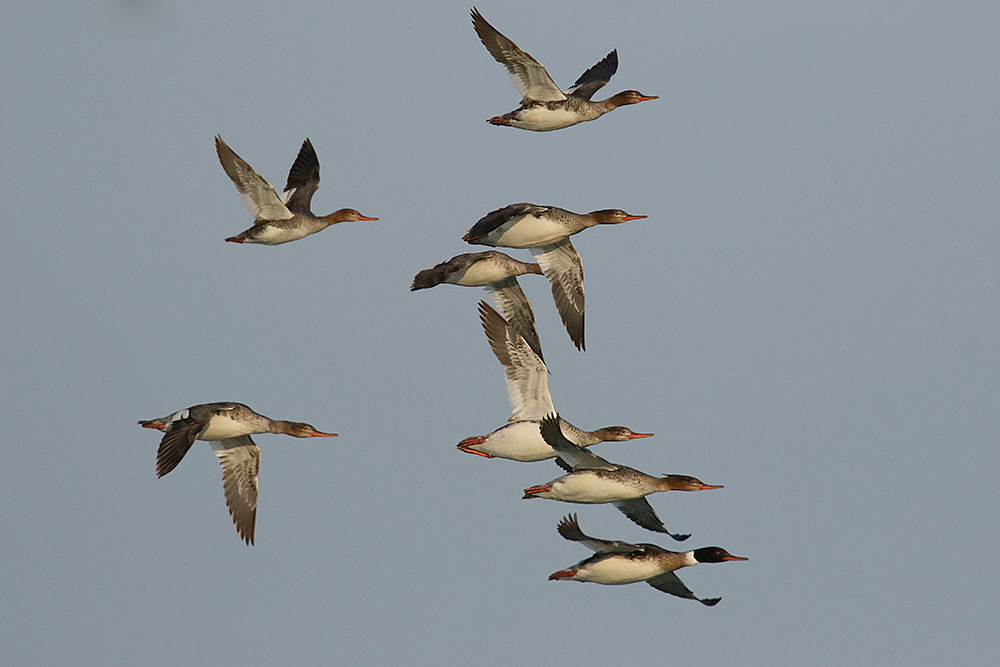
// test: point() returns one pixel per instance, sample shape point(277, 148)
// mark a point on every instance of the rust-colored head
point(346, 215)
point(618, 434)
point(685, 483)
point(628, 97)
point(613, 216)
point(303, 430)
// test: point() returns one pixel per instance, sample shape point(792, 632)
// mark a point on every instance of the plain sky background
point(808, 316)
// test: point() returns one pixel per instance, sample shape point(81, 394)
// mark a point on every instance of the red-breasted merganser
point(544, 106)
point(227, 427)
point(279, 221)
point(496, 272)
point(546, 230)
point(594, 480)
point(528, 390)
point(616, 562)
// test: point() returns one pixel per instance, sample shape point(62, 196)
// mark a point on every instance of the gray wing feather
point(240, 460)
point(569, 528)
point(517, 309)
point(563, 267)
point(257, 194)
point(668, 582)
point(180, 434)
point(526, 375)
point(596, 77)
point(578, 457)
point(528, 75)
point(303, 179)
point(641, 512)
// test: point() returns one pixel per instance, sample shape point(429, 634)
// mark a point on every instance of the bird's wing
point(240, 460)
point(596, 77)
point(439, 273)
point(178, 436)
point(257, 194)
point(668, 582)
point(641, 512)
point(578, 457)
point(569, 528)
point(517, 309)
point(303, 179)
point(499, 217)
point(528, 75)
point(526, 375)
point(563, 266)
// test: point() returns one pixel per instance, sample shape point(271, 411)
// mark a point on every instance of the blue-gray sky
point(808, 316)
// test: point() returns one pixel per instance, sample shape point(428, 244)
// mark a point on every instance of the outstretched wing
point(563, 266)
point(517, 309)
point(179, 434)
point(526, 375)
point(569, 528)
point(576, 456)
point(668, 582)
point(257, 194)
point(528, 75)
point(240, 460)
point(596, 77)
point(303, 178)
point(641, 512)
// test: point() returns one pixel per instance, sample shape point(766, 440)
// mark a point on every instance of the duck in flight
point(544, 106)
point(278, 220)
point(617, 562)
point(528, 390)
point(592, 479)
point(546, 231)
point(496, 272)
point(227, 427)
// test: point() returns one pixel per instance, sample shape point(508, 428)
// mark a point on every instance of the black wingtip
point(680, 537)
point(710, 602)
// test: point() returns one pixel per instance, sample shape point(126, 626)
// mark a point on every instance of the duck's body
point(595, 486)
point(546, 230)
point(544, 106)
point(594, 480)
point(617, 563)
point(278, 221)
point(474, 269)
point(228, 427)
point(527, 381)
point(521, 440)
point(498, 273)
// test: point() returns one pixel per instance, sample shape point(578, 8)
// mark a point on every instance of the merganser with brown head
point(278, 221)
point(496, 272)
point(546, 230)
point(528, 391)
point(227, 427)
point(544, 106)
point(616, 562)
point(594, 480)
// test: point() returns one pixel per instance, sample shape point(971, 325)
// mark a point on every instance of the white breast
point(222, 427)
point(543, 119)
point(520, 441)
point(480, 274)
point(529, 231)
point(619, 570)
point(591, 488)
point(271, 235)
